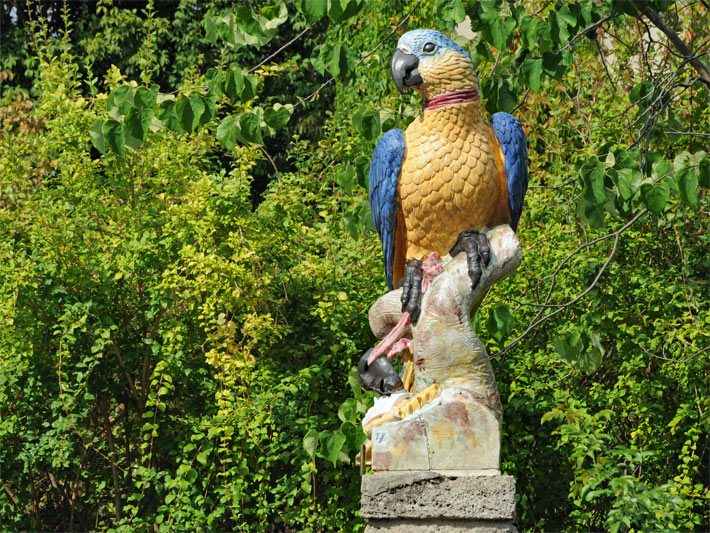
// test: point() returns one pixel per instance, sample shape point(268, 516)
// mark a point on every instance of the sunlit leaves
point(499, 323)
point(359, 219)
point(335, 60)
point(244, 27)
point(581, 349)
point(450, 11)
point(131, 111)
point(367, 123)
point(621, 184)
point(496, 29)
point(689, 169)
point(326, 444)
point(251, 126)
point(120, 101)
point(345, 178)
point(239, 86)
point(227, 132)
point(592, 175)
point(532, 68)
point(566, 22)
point(628, 182)
point(310, 443)
point(347, 412)
point(97, 136)
point(244, 128)
point(189, 110)
point(114, 138)
point(341, 10)
point(655, 196)
point(277, 117)
point(313, 10)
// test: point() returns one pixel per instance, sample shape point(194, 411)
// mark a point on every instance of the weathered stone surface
point(432, 495)
point(439, 526)
point(457, 431)
point(460, 429)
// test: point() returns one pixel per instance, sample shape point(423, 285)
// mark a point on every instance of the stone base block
point(435, 525)
point(427, 501)
point(457, 431)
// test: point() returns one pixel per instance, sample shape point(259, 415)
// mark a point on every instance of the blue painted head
point(431, 63)
point(418, 42)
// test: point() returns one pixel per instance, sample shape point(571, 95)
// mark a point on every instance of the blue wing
point(385, 167)
point(511, 137)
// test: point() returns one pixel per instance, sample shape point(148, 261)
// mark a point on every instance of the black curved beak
point(404, 70)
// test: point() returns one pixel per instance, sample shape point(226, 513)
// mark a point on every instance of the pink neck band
point(455, 97)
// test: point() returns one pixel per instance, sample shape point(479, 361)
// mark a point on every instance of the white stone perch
point(460, 429)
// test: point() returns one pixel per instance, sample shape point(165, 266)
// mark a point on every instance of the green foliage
point(187, 260)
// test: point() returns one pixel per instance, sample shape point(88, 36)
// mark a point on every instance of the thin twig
point(276, 170)
point(657, 20)
point(540, 318)
point(365, 57)
point(606, 68)
point(553, 187)
point(688, 133)
point(589, 28)
point(268, 58)
point(681, 360)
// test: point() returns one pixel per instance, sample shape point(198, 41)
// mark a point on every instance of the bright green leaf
point(655, 196)
point(533, 73)
point(313, 10)
point(278, 115)
point(227, 132)
point(628, 182)
point(499, 323)
point(367, 123)
point(138, 120)
point(310, 443)
point(688, 185)
point(120, 99)
point(331, 445)
point(250, 128)
point(348, 410)
point(97, 136)
point(114, 138)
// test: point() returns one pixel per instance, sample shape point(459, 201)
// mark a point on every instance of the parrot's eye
point(429, 47)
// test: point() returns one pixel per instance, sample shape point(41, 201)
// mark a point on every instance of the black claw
point(477, 250)
point(380, 376)
point(412, 289)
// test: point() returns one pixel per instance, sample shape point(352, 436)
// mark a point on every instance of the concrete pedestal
point(428, 501)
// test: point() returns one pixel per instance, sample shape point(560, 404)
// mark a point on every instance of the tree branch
point(540, 318)
point(365, 57)
point(296, 38)
point(657, 20)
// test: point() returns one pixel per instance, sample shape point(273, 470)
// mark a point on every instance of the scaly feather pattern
point(453, 179)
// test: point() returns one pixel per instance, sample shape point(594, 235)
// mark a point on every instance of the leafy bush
point(186, 261)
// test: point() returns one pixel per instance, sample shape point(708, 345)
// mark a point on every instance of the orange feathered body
point(452, 180)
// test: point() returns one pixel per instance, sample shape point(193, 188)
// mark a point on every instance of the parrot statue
point(437, 186)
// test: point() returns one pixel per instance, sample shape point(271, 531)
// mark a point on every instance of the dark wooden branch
point(134, 390)
point(541, 316)
point(657, 20)
point(114, 468)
